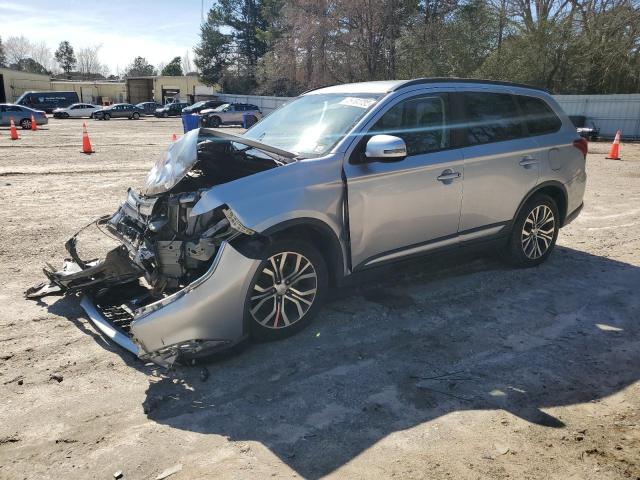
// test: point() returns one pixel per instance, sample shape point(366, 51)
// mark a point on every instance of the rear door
point(501, 162)
point(235, 115)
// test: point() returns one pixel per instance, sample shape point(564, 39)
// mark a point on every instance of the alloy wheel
point(538, 231)
point(284, 291)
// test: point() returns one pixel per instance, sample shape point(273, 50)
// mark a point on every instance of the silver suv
point(230, 114)
point(238, 237)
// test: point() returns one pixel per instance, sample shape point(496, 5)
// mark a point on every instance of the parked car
point(118, 110)
point(21, 115)
point(229, 114)
point(590, 133)
point(149, 108)
point(240, 236)
point(171, 110)
point(199, 106)
point(77, 110)
point(47, 101)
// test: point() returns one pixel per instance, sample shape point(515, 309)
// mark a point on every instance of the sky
point(155, 29)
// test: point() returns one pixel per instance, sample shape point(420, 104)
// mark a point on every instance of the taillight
point(582, 145)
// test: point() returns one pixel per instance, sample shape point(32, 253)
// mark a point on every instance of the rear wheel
point(534, 233)
point(287, 290)
point(25, 123)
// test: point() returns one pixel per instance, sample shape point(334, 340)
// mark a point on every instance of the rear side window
point(490, 117)
point(420, 121)
point(539, 116)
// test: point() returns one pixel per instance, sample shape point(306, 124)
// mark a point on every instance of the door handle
point(528, 161)
point(448, 175)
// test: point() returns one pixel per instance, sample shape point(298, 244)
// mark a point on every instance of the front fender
point(304, 189)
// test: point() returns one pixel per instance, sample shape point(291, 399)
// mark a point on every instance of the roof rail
point(420, 81)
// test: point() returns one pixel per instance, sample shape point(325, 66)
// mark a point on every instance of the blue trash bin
point(190, 122)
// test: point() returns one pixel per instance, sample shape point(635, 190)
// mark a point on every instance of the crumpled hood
point(182, 155)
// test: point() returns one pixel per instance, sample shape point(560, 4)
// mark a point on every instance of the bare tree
point(41, 53)
point(17, 49)
point(187, 66)
point(89, 62)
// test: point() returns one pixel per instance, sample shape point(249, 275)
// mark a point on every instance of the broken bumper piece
point(204, 317)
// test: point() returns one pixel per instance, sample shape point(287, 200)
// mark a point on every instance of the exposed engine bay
point(162, 247)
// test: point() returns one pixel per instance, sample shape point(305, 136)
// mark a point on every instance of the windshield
point(221, 107)
point(198, 104)
point(310, 125)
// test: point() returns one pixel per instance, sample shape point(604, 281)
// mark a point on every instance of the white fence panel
point(266, 104)
point(607, 112)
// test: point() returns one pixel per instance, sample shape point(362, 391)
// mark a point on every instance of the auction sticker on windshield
point(358, 102)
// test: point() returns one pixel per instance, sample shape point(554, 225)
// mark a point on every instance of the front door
point(412, 205)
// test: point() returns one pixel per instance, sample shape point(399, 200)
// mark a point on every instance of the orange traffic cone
point(34, 127)
point(614, 153)
point(14, 132)
point(86, 143)
point(174, 138)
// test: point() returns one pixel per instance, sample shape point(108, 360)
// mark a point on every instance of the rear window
point(491, 117)
point(540, 118)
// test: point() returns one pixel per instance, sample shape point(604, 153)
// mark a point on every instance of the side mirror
point(385, 147)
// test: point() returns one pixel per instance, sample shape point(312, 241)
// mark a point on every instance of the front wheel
point(534, 233)
point(106, 116)
point(136, 116)
point(287, 290)
point(25, 123)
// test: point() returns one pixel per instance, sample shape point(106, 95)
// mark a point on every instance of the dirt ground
point(457, 368)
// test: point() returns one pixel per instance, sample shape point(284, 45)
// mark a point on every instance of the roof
point(386, 86)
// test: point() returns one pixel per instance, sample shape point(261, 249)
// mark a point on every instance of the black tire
point(106, 116)
point(165, 115)
point(214, 122)
point(136, 116)
point(524, 248)
point(25, 123)
point(64, 115)
point(276, 328)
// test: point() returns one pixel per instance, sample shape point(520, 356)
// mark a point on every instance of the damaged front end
point(174, 286)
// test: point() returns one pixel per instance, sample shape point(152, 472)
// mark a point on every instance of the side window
point(13, 108)
point(539, 116)
point(491, 117)
point(422, 122)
